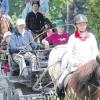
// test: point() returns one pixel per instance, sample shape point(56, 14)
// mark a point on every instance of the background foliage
point(66, 9)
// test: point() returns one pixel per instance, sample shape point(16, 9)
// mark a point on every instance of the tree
point(16, 7)
point(93, 14)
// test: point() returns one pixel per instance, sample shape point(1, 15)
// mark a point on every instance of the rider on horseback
point(81, 48)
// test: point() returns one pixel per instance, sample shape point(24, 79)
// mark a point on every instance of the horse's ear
point(98, 59)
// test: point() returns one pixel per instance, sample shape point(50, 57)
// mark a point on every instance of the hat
point(36, 2)
point(20, 22)
point(60, 23)
point(80, 18)
point(7, 34)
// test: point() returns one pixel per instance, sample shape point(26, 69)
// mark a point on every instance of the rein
point(94, 85)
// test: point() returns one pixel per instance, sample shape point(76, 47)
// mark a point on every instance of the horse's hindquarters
point(54, 62)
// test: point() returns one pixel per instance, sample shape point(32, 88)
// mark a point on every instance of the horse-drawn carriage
point(38, 84)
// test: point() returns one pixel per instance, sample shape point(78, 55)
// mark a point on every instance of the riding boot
point(60, 84)
point(61, 79)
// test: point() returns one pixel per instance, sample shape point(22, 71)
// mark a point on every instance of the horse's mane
point(85, 79)
point(84, 72)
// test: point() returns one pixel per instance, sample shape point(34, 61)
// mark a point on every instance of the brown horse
point(84, 82)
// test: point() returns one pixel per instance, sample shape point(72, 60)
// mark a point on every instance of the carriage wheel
point(17, 94)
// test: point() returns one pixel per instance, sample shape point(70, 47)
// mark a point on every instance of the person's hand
point(22, 50)
point(46, 26)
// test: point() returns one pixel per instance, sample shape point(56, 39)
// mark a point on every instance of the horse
point(54, 64)
point(83, 83)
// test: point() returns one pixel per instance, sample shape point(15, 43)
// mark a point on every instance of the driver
point(21, 45)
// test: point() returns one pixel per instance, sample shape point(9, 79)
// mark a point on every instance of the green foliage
point(56, 8)
point(16, 7)
point(93, 14)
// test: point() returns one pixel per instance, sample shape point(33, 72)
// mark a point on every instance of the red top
point(57, 39)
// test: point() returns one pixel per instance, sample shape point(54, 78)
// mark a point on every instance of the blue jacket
point(18, 41)
point(5, 6)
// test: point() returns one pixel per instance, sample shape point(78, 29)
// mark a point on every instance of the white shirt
point(79, 51)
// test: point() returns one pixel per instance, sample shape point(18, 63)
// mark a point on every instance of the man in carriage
point(81, 48)
point(21, 46)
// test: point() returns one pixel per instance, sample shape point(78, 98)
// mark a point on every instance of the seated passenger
point(81, 49)
point(21, 45)
point(57, 38)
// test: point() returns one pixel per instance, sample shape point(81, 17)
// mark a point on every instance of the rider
point(81, 48)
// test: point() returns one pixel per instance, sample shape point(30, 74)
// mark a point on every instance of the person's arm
point(95, 51)
point(68, 56)
point(46, 43)
point(33, 44)
point(42, 20)
point(12, 45)
point(27, 21)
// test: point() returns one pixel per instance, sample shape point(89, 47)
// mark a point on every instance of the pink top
point(57, 39)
